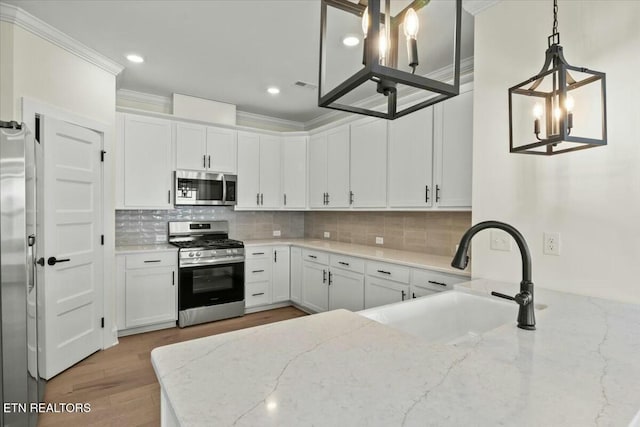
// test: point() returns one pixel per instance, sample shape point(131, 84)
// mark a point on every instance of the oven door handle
point(201, 263)
point(224, 189)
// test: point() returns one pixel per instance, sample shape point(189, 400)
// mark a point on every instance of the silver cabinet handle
point(257, 253)
point(173, 278)
point(204, 161)
point(285, 199)
point(169, 196)
point(258, 294)
point(257, 271)
point(152, 260)
point(209, 161)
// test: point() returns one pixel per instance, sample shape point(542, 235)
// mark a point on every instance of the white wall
point(591, 197)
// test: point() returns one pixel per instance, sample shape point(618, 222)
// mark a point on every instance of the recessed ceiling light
point(350, 41)
point(135, 58)
point(273, 90)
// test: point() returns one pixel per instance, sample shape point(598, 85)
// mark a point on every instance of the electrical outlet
point(500, 241)
point(276, 233)
point(551, 243)
point(327, 235)
point(379, 240)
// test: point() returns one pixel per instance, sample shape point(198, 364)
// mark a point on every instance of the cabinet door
point(280, 278)
point(379, 292)
point(270, 173)
point(346, 290)
point(221, 150)
point(317, 170)
point(248, 170)
point(411, 160)
point(338, 167)
point(150, 296)
point(454, 147)
point(315, 293)
point(191, 147)
point(369, 163)
point(147, 163)
point(294, 172)
point(296, 275)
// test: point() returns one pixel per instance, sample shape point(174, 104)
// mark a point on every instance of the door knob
point(52, 260)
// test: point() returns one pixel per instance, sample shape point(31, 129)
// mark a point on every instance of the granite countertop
point(408, 258)
point(130, 249)
point(339, 368)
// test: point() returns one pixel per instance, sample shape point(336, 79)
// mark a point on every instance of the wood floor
point(120, 383)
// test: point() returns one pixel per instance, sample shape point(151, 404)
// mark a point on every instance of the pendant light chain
point(555, 17)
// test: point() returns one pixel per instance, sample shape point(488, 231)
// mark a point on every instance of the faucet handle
point(498, 294)
point(522, 298)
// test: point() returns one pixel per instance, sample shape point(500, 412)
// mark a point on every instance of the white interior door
point(72, 251)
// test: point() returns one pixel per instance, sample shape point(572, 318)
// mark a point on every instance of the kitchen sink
point(447, 317)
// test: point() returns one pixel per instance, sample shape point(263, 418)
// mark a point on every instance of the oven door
point(211, 285)
point(199, 188)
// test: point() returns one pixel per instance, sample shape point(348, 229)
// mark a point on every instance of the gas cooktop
point(208, 244)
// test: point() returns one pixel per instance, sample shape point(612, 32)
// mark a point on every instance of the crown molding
point(474, 7)
point(17, 16)
point(164, 102)
point(267, 120)
point(442, 74)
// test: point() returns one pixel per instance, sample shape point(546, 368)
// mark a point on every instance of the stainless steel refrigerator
point(20, 386)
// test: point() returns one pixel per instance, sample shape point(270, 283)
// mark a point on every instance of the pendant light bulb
point(382, 44)
point(569, 103)
point(557, 112)
point(365, 21)
point(411, 24)
point(537, 111)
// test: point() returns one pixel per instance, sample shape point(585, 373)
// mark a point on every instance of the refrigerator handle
point(31, 242)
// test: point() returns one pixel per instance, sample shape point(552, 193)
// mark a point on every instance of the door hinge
point(102, 239)
point(102, 322)
point(102, 153)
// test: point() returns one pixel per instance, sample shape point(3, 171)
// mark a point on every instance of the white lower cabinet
point(295, 279)
point(315, 291)
point(346, 290)
point(147, 291)
point(266, 275)
point(385, 284)
point(427, 282)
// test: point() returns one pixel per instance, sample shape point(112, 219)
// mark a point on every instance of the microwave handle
point(224, 189)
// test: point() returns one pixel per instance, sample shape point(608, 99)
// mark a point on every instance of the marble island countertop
point(396, 256)
point(581, 367)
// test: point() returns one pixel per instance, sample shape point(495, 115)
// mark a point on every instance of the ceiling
point(228, 51)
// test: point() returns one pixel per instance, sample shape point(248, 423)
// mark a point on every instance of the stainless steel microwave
point(205, 188)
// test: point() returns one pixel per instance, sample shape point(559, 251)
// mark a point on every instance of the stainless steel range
point(211, 272)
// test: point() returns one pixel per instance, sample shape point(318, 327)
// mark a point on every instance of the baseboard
point(147, 328)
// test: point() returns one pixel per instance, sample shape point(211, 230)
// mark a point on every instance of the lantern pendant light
point(560, 109)
point(385, 83)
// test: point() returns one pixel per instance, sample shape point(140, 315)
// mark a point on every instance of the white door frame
point(32, 107)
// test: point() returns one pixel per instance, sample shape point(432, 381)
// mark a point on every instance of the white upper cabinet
point(329, 169)
point(369, 164)
point(205, 148)
point(411, 160)
point(144, 163)
point(221, 150)
point(294, 172)
point(317, 170)
point(453, 150)
point(259, 171)
point(270, 171)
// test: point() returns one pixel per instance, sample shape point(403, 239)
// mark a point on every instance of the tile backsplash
point(140, 227)
point(436, 233)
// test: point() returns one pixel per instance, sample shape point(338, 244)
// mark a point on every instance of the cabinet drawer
point(152, 259)
point(348, 263)
point(257, 252)
point(315, 256)
point(435, 280)
point(388, 271)
point(257, 294)
point(257, 270)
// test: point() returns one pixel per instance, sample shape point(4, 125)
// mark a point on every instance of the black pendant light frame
point(556, 67)
point(386, 77)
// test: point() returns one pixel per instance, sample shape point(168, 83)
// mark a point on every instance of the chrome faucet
point(526, 316)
